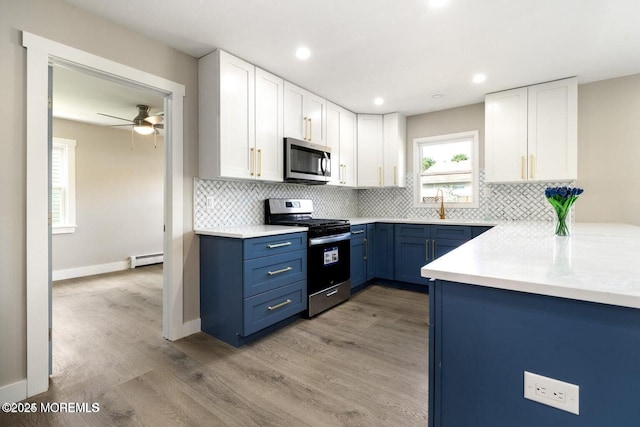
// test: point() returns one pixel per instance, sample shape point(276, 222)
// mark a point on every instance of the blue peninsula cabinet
point(249, 287)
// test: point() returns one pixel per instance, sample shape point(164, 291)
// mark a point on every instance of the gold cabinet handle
point(522, 166)
point(304, 131)
point(366, 248)
point(259, 161)
point(251, 162)
point(277, 306)
point(282, 270)
point(379, 175)
point(426, 250)
point(531, 167)
point(345, 174)
point(433, 248)
point(310, 130)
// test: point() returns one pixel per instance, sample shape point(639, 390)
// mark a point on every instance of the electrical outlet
point(552, 392)
point(209, 203)
point(486, 192)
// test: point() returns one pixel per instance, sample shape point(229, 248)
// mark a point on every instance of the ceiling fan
point(143, 123)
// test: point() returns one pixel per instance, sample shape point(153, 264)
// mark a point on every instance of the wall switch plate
point(486, 192)
point(552, 392)
point(209, 203)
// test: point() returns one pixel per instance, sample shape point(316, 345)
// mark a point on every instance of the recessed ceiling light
point(303, 53)
point(436, 4)
point(479, 78)
point(437, 95)
point(378, 101)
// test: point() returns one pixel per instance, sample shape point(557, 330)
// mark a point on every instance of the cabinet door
point(237, 109)
point(412, 253)
point(348, 148)
point(370, 150)
point(369, 245)
point(316, 113)
point(553, 131)
point(506, 136)
point(394, 144)
point(442, 246)
point(269, 105)
point(333, 142)
point(358, 261)
point(383, 251)
point(294, 115)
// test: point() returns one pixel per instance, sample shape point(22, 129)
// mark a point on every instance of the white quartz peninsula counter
point(249, 231)
point(598, 262)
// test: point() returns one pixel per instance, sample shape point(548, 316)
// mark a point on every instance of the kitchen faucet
point(441, 210)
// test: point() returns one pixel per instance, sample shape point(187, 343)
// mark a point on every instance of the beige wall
point(609, 150)
point(66, 24)
point(119, 196)
point(469, 117)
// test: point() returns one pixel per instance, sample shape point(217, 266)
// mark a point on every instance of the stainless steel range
point(328, 254)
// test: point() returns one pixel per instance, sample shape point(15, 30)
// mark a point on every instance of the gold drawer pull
point(279, 245)
point(283, 270)
point(277, 306)
point(532, 166)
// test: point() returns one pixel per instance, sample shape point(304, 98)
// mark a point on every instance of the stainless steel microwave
point(306, 163)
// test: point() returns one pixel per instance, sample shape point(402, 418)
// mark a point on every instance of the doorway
point(40, 53)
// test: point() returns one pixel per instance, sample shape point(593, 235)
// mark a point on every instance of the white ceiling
point(402, 50)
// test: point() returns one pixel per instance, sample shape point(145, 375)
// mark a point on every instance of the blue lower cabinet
point(370, 244)
point(383, 251)
point(358, 255)
point(412, 253)
point(442, 246)
point(251, 286)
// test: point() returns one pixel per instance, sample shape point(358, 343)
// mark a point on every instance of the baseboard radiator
point(140, 260)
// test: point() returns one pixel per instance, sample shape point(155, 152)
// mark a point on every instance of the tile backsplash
point(242, 202)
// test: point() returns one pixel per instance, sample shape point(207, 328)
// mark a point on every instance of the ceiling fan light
point(143, 127)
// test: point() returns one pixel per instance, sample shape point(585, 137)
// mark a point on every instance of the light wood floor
point(363, 363)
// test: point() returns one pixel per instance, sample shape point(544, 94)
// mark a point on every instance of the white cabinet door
point(269, 142)
point(236, 116)
point(316, 113)
point(348, 148)
point(333, 142)
point(295, 123)
point(370, 150)
point(341, 138)
point(394, 127)
point(506, 136)
point(552, 131)
point(304, 114)
point(531, 133)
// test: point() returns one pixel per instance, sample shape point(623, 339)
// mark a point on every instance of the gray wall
point(119, 196)
point(66, 24)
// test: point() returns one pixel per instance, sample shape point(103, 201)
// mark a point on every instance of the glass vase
point(562, 223)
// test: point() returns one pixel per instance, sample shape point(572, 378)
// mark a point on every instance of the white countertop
point(598, 262)
point(250, 231)
point(426, 221)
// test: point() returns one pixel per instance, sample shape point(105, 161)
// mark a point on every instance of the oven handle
point(329, 239)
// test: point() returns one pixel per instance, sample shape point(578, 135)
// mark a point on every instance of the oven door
point(329, 259)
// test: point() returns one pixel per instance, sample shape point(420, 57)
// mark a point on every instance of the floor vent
point(140, 260)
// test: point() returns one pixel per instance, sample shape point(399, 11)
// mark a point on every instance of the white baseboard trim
point(191, 327)
point(15, 392)
point(89, 270)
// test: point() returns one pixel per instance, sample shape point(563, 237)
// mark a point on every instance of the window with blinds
point(63, 185)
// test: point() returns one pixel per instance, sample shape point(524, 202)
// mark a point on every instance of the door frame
point(41, 52)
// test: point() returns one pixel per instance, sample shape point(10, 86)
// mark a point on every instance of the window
point(447, 165)
point(63, 186)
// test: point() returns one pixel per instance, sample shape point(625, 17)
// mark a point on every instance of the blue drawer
point(413, 230)
point(358, 231)
point(267, 273)
point(461, 232)
point(273, 245)
point(267, 308)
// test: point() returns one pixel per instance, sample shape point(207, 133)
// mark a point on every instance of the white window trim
point(473, 134)
point(70, 225)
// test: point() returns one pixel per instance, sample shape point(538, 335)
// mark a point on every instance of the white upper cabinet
point(304, 115)
point(381, 150)
point(240, 119)
point(370, 150)
point(394, 151)
point(531, 133)
point(269, 124)
point(341, 138)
